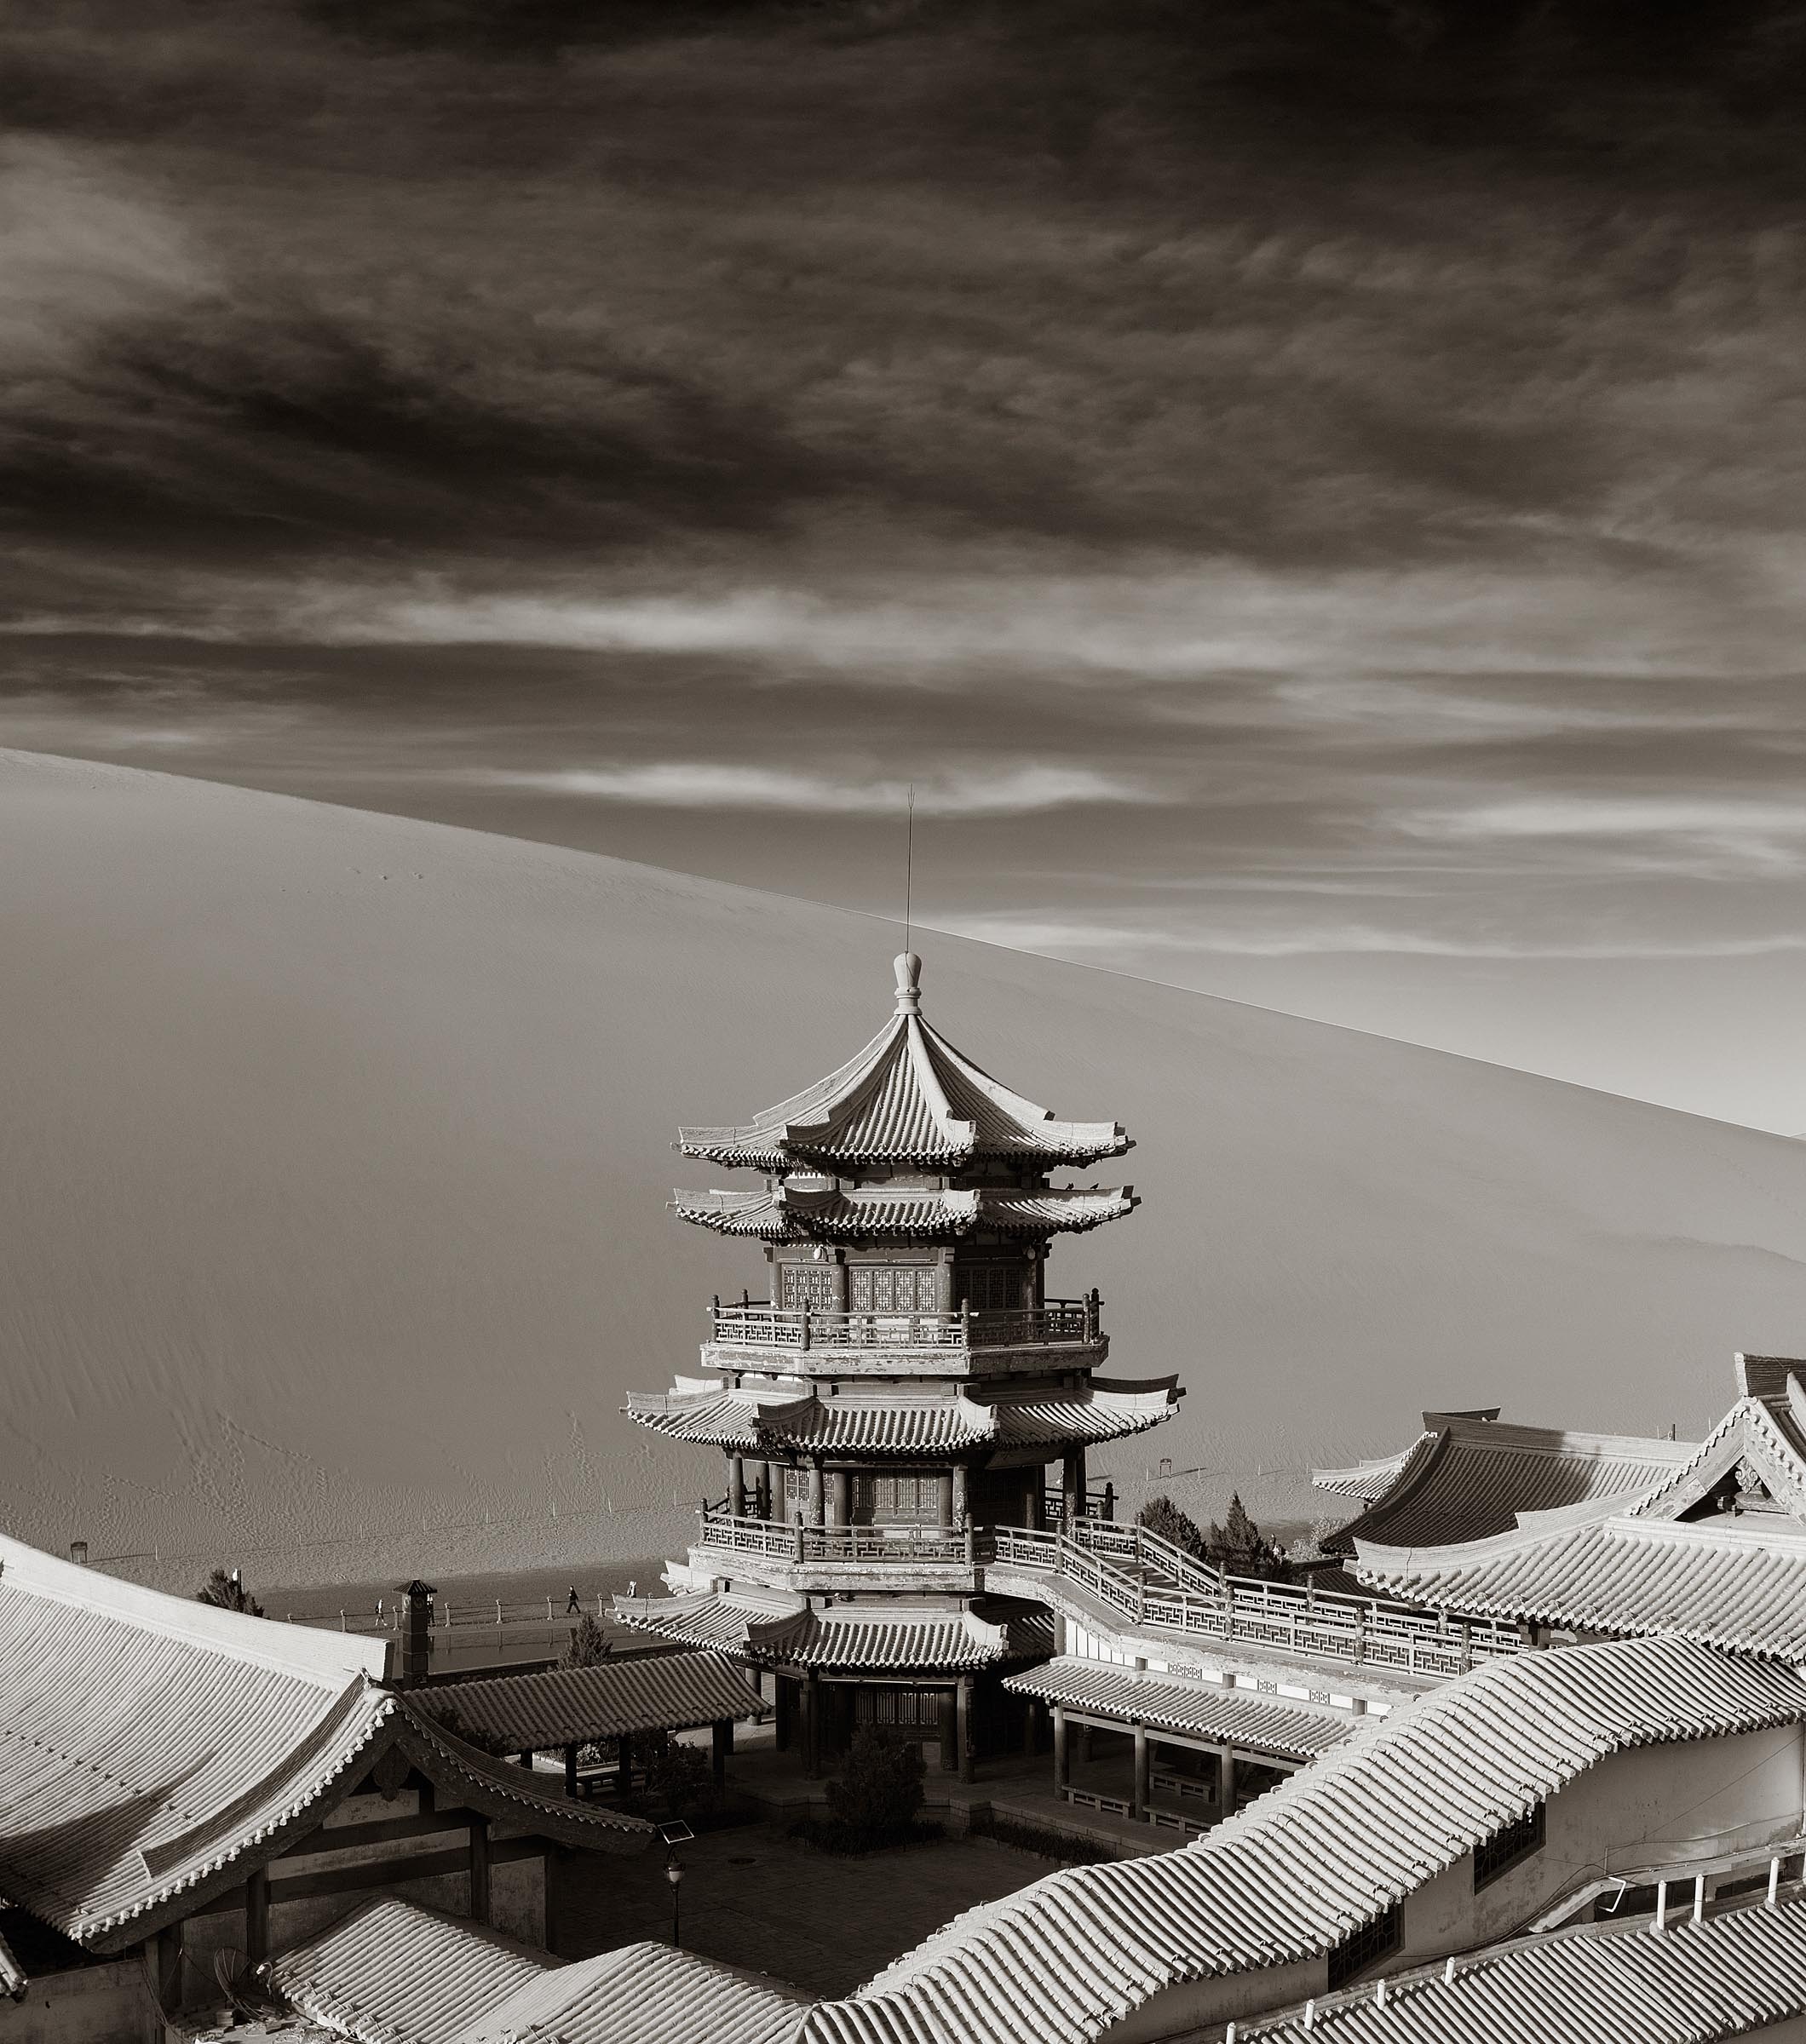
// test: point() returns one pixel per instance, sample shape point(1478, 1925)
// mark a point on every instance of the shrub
point(679, 1779)
point(1239, 1545)
point(1041, 1839)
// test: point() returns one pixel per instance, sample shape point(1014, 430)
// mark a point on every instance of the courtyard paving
point(755, 1897)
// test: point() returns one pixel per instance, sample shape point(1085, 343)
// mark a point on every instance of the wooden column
point(737, 1486)
point(949, 1733)
point(571, 1770)
point(480, 1869)
point(812, 1725)
point(258, 1916)
point(946, 1483)
point(720, 1744)
point(783, 1712)
point(1062, 1758)
point(1073, 1483)
point(624, 1774)
point(758, 1488)
point(168, 1968)
point(961, 1502)
point(840, 1486)
point(1225, 1782)
point(963, 1734)
point(814, 1505)
point(1138, 1794)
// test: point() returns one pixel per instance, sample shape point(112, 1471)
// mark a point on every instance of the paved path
point(757, 1898)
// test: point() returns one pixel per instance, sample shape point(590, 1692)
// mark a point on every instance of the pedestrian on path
point(572, 1604)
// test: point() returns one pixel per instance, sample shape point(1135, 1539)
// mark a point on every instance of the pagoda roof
point(1467, 1477)
point(876, 1638)
point(575, 1706)
point(763, 1419)
point(908, 1098)
point(926, 1214)
point(1666, 1561)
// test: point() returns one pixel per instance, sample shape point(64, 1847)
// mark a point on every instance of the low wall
point(107, 2004)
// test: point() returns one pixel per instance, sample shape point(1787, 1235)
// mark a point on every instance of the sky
point(1307, 492)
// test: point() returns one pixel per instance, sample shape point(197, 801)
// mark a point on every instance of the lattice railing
point(757, 1323)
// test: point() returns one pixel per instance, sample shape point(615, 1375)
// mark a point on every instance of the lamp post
point(674, 1874)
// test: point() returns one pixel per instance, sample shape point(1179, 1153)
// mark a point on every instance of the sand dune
point(336, 1147)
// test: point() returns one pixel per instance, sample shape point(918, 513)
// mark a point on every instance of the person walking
point(573, 1607)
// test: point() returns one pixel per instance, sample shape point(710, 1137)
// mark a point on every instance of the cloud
point(697, 784)
point(1763, 834)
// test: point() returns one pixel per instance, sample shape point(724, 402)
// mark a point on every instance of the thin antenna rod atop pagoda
point(909, 865)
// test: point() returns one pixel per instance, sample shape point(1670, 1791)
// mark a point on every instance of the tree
point(589, 1646)
point(1161, 1516)
point(879, 1797)
point(228, 1592)
point(1238, 1546)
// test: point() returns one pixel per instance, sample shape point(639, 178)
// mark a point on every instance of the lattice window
point(894, 1288)
point(992, 1287)
point(913, 1709)
point(895, 1498)
point(1502, 1851)
point(1368, 1946)
point(812, 1285)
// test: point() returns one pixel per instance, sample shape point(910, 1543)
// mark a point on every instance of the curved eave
point(930, 1216)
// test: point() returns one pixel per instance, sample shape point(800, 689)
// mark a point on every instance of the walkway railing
point(1151, 1582)
point(757, 1323)
point(875, 1544)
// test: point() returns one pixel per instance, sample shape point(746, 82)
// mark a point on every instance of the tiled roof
point(1730, 1975)
point(567, 1706)
point(644, 1994)
point(1734, 1582)
point(872, 1637)
point(907, 1097)
point(154, 1749)
point(1727, 1583)
point(791, 1214)
point(1294, 1731)
point(393, 1973)
point(1064, 1959)
point(1370, 1479)
point(759, 1421)
point(1467, 1479)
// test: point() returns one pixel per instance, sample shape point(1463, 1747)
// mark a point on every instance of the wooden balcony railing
point(777, 1542)
point(757, 1323)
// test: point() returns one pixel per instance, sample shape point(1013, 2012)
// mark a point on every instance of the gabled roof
point(921, 1214)
point(391, 1969)
point(1373, 1478)
point(768, 1421)
point(1662, 1561)
point(1065, 1960)
point(1736, 1973)
point(644, 1994)
point(154, 1750)
point(1467, 1477)
point(567, 1706)
point(908, 1098)
point(1202, 1710)
point(788, 1632)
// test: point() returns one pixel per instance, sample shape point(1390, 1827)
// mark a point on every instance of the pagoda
point(904, 1389)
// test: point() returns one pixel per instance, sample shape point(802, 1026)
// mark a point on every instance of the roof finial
point(909, 984)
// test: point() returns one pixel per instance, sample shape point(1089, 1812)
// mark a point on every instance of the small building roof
point(871, 1636)
point(392, 1969)
point(1370, 1479)
point(1198, 1710)
point(1666, 1561)
point(1064, 1959)
point(795, 1214)
point(907, 1099)
point(763, 1419)
point(645, 1994)
point(1734, 1973)
point(1467, 1477)
point(573, 1706)
point(155, 1750)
